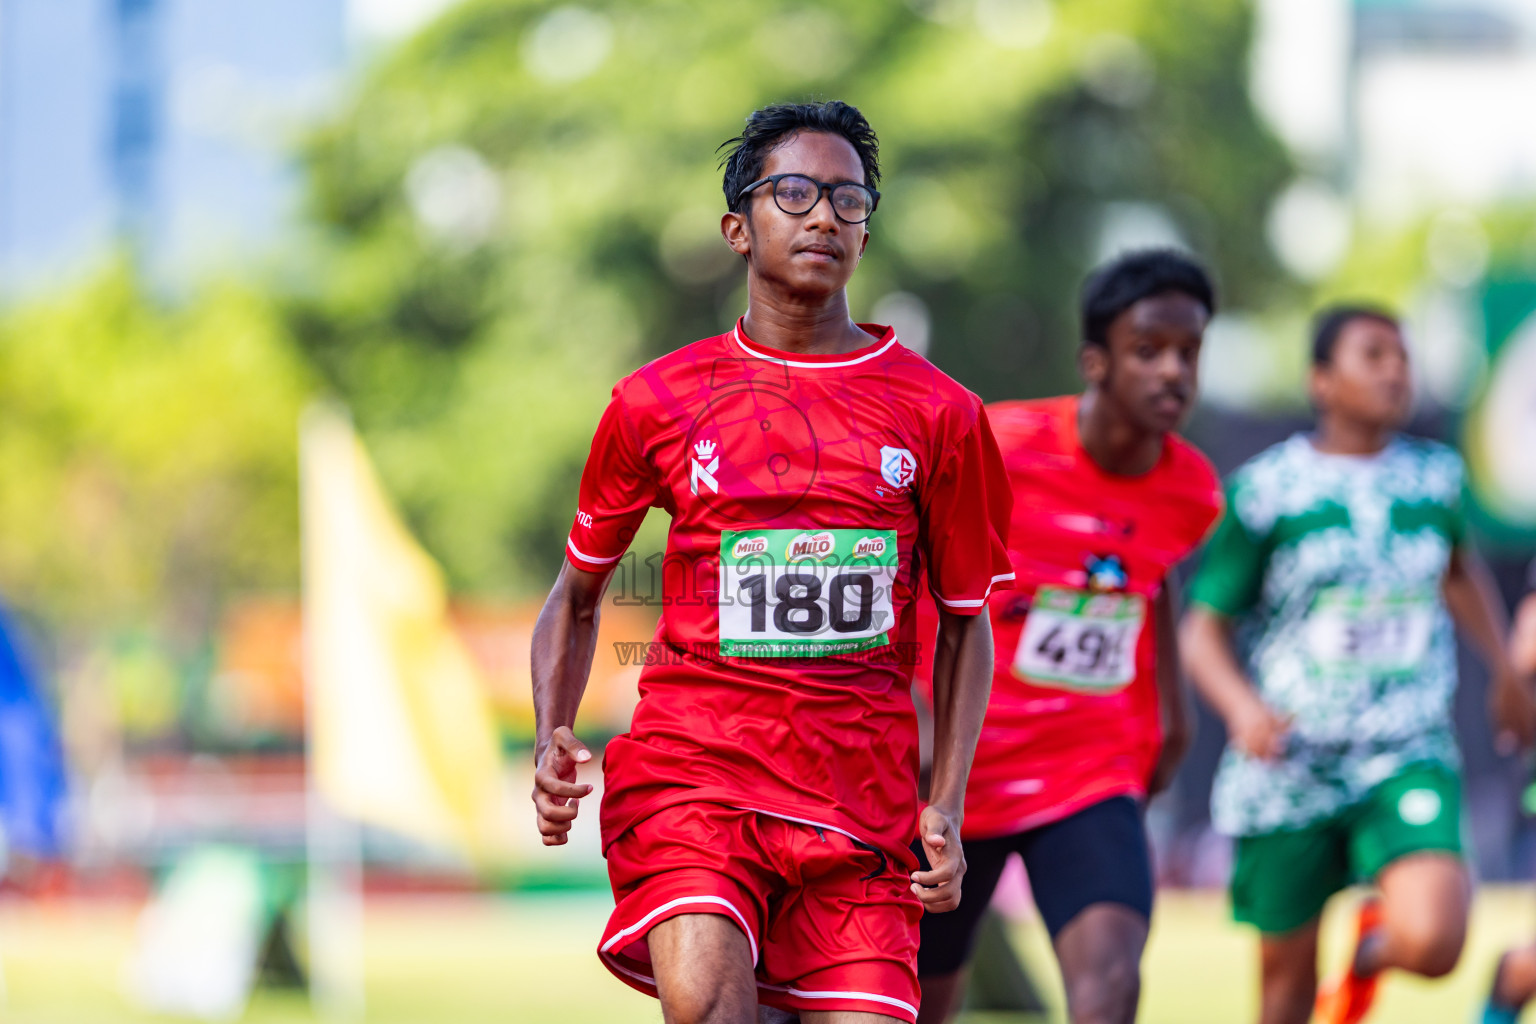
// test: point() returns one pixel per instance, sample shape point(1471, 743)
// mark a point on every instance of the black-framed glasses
point(797, 195)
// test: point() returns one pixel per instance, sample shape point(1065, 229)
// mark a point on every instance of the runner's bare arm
point(962, 684)
point(924, 741)
point(1522, 640)
point(564, 638)
point(1205, 648)
point(1176, 715)
point(1473, 599)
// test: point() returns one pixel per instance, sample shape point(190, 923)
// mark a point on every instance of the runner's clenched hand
point(1258, 730)
point(556, 792)
point(1512, 705)
point(939, 888)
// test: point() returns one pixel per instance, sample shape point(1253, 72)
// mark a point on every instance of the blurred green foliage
point(148, 455)
point(522, 204)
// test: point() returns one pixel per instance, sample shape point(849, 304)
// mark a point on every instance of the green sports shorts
point(1280, 880)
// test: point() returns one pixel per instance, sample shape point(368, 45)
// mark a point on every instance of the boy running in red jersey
point(757, 815)
point(1087, 716)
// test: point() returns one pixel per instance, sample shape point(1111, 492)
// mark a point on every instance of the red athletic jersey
point(1074, 712)
point(809, 497)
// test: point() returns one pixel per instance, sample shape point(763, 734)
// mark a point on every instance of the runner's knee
point(703, 971)
point(707, 1004)
point(1108, 995)
point(1430, 948)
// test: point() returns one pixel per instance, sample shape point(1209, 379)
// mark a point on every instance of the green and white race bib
point(1353, 630)
point(805, 593)
point(1080, 640)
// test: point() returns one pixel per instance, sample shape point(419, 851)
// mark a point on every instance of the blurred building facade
point(161, 126)
point(1394, 109)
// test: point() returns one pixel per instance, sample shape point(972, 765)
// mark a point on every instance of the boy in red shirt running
point(1087, 716)
point(757, 816)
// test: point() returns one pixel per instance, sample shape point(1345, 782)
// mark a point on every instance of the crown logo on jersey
point(705, 465)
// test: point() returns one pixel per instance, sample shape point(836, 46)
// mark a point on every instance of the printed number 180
point(804, 605)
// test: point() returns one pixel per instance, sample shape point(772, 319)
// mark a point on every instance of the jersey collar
point(885, 339)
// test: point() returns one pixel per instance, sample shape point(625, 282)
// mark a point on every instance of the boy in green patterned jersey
point(1320, 629)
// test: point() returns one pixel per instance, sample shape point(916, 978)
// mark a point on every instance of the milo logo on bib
point(805, 593)
point(749, 546)
point(811, 545)
point(869, 547)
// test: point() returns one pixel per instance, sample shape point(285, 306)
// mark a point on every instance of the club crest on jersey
point(747, 546)
point(1106, 573)
point(815, 546)
point(897, 466)
point(705, 465)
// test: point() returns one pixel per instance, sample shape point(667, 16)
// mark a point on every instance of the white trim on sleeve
point(588, 558)
point(946, 602)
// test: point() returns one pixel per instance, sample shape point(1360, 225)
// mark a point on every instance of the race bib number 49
point(805, 593)
point(1080, 640)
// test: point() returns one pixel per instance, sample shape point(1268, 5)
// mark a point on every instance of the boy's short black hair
point(767, 127)
point(1330, 322)
point(1130, 277)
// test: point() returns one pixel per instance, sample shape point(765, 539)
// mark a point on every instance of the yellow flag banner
point(401, 730)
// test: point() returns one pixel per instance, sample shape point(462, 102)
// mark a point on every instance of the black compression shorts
point(1098, 855)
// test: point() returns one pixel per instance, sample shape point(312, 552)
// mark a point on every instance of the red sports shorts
point(831, 923)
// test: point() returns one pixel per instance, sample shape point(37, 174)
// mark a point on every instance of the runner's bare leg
point(942, 995)
point(1515, 982)
point(1289, 965)
point(1425, 900)
point(704, 970)
point(1100, 955)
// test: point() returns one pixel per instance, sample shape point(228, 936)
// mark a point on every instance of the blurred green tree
point(522, 204)
point(149, 457)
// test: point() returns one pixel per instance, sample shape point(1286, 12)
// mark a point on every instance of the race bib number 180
point(1080, 640)
point(805, 593)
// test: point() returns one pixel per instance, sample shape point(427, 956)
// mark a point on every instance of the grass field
point(530, 959)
